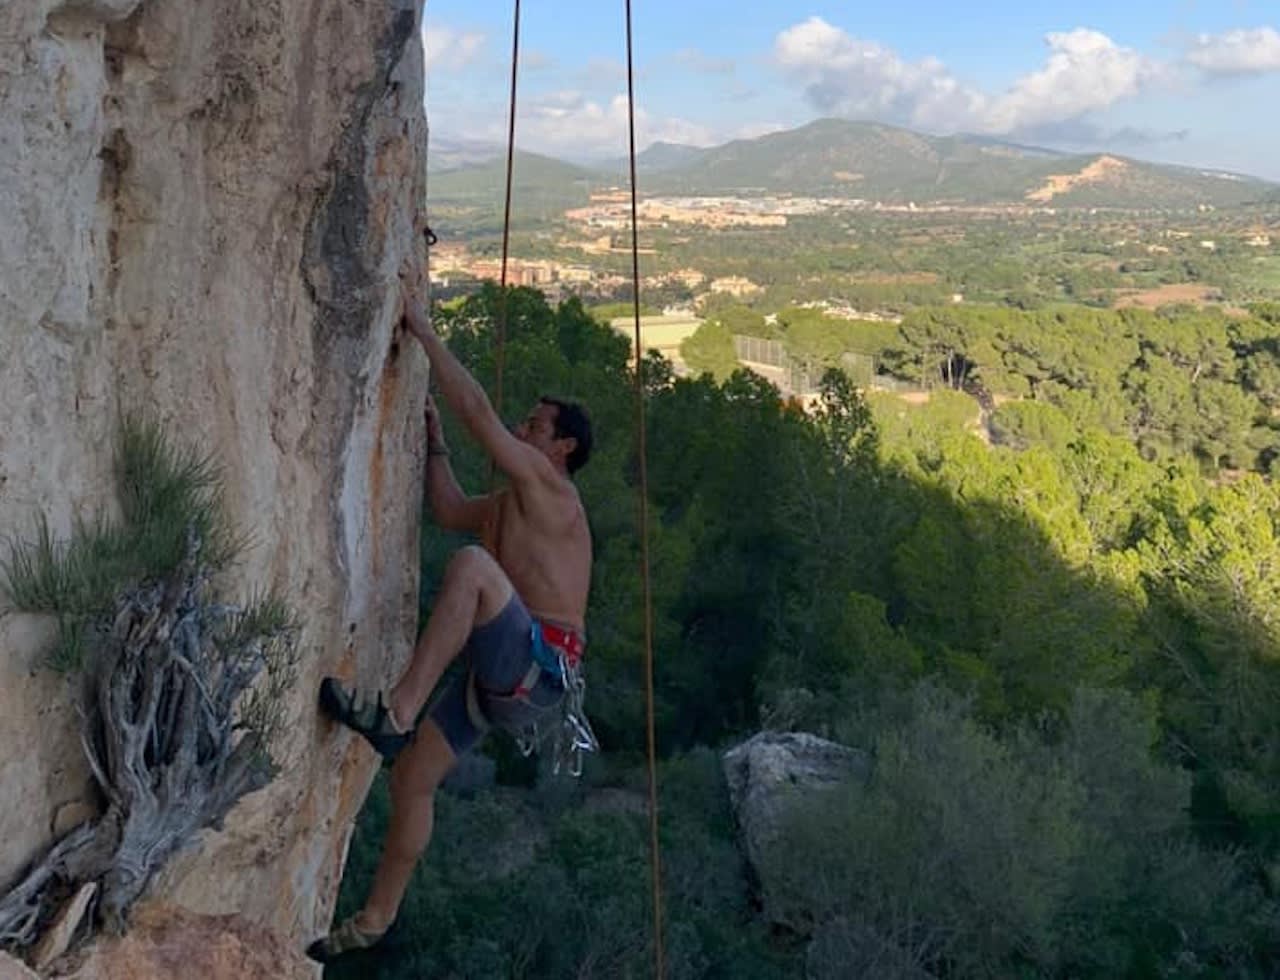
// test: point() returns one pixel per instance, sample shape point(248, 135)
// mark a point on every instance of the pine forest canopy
point(1047, 572)
point(1060, 635)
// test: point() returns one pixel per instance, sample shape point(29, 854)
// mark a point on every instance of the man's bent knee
point(472, 561)
point(475, 566)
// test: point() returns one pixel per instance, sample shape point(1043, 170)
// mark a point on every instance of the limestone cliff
point(203, 207)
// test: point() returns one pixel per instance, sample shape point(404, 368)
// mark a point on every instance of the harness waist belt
point(568, 641)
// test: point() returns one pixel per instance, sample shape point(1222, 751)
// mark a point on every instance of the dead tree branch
point(166, 741)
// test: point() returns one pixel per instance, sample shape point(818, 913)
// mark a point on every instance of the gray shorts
point(496, 658)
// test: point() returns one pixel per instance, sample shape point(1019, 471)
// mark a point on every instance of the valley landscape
point(932, 626)
point(962, 463)
point(869, 218)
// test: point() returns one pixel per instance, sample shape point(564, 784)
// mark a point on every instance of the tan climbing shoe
point(345, 939)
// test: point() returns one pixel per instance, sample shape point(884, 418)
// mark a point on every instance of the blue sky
point(1183, 81)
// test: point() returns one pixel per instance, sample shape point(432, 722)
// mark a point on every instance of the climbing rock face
point(768, 775)
point(203, 208)
point(11, 969)
point(164, 943)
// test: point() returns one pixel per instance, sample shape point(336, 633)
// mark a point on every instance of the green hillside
point(885, 163)
point(833, 157)
point(542, 188)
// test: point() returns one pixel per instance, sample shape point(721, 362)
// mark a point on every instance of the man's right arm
point(452, 509)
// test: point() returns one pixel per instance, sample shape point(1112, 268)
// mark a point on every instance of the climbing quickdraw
point(572, 737)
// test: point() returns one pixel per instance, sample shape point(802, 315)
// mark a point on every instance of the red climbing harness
point(555, 651)
point(570, 642)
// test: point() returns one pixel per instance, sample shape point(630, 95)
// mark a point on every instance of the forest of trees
point(1060, 647)
point(1176, 382)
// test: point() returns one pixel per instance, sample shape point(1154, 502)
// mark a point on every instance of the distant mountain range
point(455, 154)
point(834, 157)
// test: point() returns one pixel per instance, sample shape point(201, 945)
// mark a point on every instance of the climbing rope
point(501, 341)
point(499, 356)
point(655, 864)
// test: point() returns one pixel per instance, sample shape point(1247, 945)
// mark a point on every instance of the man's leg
point(474, 590)
point(417, 772)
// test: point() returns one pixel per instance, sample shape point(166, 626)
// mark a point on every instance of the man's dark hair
point(573, 422)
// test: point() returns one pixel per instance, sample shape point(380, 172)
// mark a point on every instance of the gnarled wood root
point(160, 730)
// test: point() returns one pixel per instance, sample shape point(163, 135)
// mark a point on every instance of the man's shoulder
point(559, 496)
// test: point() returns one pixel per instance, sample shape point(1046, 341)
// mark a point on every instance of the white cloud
point(849, 76)
point(752, 131)
point(446, 49)
point(845, 75)
point(602, 72)
point(571, 126)
point(537, 61)
point(703, 63)
point(1239, 52)
point(1086, 71)
point(568, 125)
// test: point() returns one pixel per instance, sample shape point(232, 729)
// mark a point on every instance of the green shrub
point(556, 883)
point(166, 494)
point(183, 694)
point(1063, 851)
point(1022, 424)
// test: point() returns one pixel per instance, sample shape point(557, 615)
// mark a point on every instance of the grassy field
point(1263, 274)
point(1184, 293)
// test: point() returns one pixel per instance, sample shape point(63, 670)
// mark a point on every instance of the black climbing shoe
point(347, 940)
point(370, 719)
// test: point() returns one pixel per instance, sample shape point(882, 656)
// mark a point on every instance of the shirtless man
point(515, 605)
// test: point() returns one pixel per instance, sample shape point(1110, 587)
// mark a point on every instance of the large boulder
point(203, 208)
point(771, 775)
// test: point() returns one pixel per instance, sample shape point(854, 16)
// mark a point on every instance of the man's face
point(539, 430)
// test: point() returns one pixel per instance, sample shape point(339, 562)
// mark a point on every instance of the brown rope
point(501, 345)
point(655, 862)
point(499, 355)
